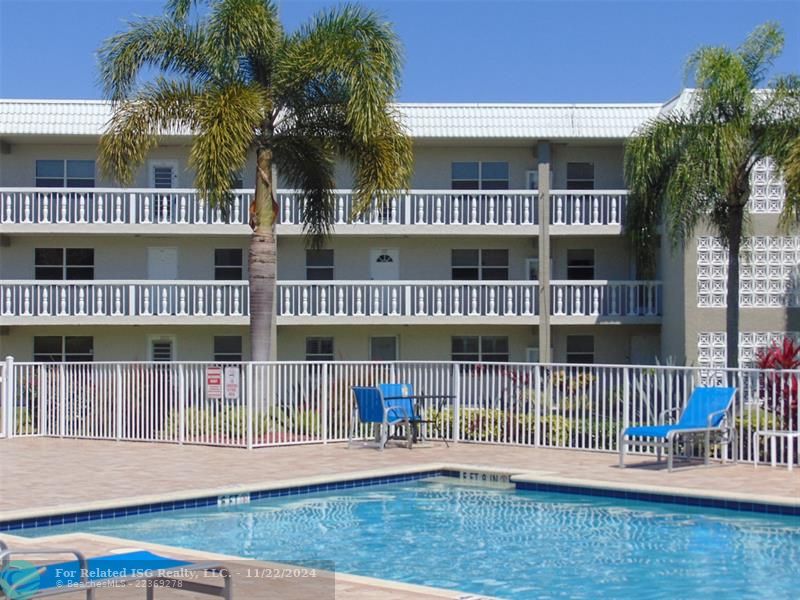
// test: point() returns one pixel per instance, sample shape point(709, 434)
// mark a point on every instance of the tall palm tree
point(228, 72)
point(692, 165)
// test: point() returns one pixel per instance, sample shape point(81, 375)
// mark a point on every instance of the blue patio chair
point(706, 412)
point(370, 407)
point(26, 580)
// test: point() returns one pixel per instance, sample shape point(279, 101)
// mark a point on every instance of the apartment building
point(509, 246)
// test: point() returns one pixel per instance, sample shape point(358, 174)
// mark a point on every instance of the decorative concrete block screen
point(766, 188)
point(769, 272)
point(711, 352)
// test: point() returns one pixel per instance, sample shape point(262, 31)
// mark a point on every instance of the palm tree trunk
point(735, 219)
point(262, 261)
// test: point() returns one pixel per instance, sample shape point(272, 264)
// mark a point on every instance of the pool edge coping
point(179, 551)
point(522, 479)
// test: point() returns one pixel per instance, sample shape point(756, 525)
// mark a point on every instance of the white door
point(163, 173)
point(162, 263)
point(384, 264)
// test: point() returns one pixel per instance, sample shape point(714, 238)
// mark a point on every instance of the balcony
point(605, 301)
point(127, 302)
point(407, 302)
point(432, 212)
point(597, 211)
point(130, 211)
point(428, 212)
point(124, 302)
point(473, 302)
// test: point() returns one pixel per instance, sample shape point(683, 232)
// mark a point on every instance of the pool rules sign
point(222, 383)
point(231, 383)
point(214, 383)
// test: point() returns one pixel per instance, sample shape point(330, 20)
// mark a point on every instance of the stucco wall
point(121, 257)
point(420, 258)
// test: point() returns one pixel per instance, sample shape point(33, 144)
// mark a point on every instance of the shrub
point(780, 390)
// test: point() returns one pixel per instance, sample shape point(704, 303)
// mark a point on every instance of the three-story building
point(508, 246)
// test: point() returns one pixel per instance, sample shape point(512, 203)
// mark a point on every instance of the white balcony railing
point(118, 206)
point(101, 206)
point(407, 298)
point(606, 298)
point(124, 298)
point(427, 207)
point(590, 207)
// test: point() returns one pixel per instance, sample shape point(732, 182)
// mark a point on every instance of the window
point(162, 176)
point(479, 348)
point(580, 349)
point(319, 265)
point(474, 265)
point(63, 349)
point(494, 176)
point(580, 264)
point(65, 173)
point(465, 175)
point(227, 348)
point(161, 349)
point(319, 348)
point(61, 263)
point(494, 348)
point(228, 264)
point(465, 349)
point(479, 175)
point(580, 176)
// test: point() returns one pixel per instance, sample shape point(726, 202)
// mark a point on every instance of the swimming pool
point(499, 542)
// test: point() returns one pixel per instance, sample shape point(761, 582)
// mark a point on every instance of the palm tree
point(231, 75)
point(692, 165)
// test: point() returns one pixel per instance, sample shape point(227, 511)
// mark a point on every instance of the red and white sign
point(214, 383)
point(231, 383)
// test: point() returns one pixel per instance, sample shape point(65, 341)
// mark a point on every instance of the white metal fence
point(267, 404)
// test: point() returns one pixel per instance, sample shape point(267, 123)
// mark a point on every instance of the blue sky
point(478, 51)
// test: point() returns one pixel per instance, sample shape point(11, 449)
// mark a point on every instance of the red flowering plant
point(781, 390)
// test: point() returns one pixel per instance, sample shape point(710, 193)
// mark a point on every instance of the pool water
point(503, 543)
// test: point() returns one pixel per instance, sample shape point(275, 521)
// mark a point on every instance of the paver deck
point(48, 475)
point(39, 473)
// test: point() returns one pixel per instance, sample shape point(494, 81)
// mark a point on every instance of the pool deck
point(41, 476)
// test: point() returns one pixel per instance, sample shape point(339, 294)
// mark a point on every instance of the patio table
point(772, 435)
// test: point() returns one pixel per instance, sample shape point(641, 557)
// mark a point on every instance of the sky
point(455, 50)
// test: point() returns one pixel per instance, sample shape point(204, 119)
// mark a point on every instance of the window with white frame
point(64, 263)
point(580, 176)
point(228, 264)
point(580, 349)
point(65, 173)
point(479, 264)
point(319, 264)
point(55, 348)
point(162, 349)
point(319, 349)
point(474, 175)
point(227, 348)
point(580, 264)
point(474, 348)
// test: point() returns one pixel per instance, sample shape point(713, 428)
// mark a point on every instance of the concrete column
point(543, 155)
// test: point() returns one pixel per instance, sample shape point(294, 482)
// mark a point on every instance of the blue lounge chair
point(19, 579)
point(370, 407)
point(705, 412)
